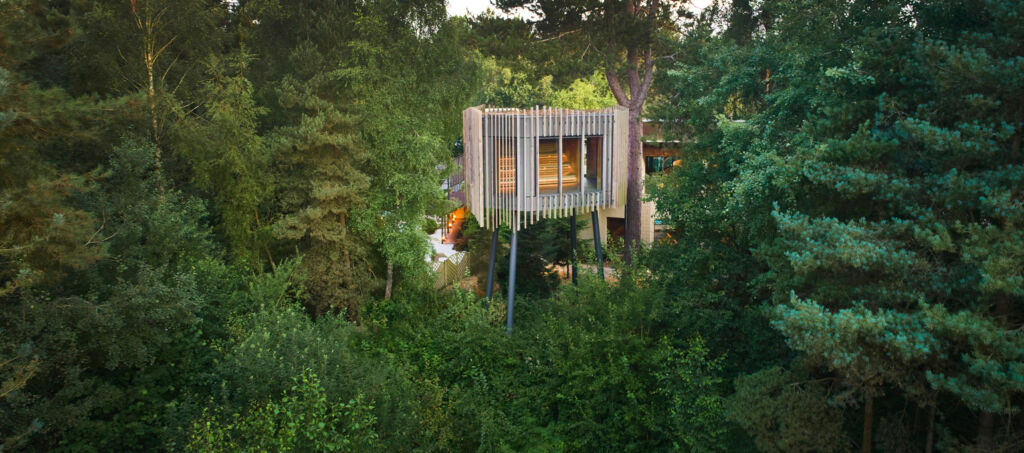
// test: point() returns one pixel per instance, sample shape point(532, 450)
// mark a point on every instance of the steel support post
point(597, 243)
point(512, 279)
point(572, 256)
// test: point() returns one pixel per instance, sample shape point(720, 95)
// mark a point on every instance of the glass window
point(547, 166)
point(655, 164)
point(571, 164)
point(592, 165)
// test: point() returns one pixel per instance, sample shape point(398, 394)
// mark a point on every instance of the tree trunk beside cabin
point(639, 84)
point(634, 186)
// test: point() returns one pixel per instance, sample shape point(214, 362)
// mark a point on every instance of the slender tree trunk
point(259, 226)
point(869, 418)
point(930, 440)
point(639, 71)
point(151, 93)
point(917, 418)
point(390, 280)
point(148, 24)
point(634, 186)
point(986, 420)
point(985, 423)
point(1015, 144)
point(639, 84)
point(273, 266)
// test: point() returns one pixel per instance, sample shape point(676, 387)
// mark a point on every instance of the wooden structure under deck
point(522, 165)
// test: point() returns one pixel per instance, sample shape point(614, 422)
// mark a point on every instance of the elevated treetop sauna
point(523, 165)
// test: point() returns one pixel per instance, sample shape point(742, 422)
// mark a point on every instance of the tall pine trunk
point(985, 424)
point(930, 442)
point(149, 25)
point(869, 419)
point(638, 84)
point(634, 184)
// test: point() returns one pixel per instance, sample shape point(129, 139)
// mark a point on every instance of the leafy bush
point(429, 225)
point(303, 419)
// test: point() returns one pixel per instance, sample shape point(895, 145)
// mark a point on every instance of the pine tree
point(892, 179)
point(320, 157)
point(229, 159)
point(911, 277)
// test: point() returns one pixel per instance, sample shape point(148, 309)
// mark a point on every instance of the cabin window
point(570, 164)
point(592, 165)
point(547, 166)
point(655, 164)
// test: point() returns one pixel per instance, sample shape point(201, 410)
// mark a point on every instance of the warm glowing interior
point(547, 159)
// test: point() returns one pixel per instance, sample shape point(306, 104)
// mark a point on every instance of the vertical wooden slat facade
point(503, 169)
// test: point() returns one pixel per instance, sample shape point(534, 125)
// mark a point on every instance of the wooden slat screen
point(513, 178)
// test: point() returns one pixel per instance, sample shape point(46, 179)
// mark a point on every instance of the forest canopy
point(214, 222)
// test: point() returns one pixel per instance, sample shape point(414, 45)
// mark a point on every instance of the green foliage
point(606, 378)
point(512, 43)
point(584, 369)
point(43, 237)
point(507, 88)
point(197, 261)
point(861, 193)
point(302, 420)
point(268, 344)
point(410, 83)
point(542, 247)
point(587, 94)
point(785, 412)
point(108, 47)
point(364, 101)
point(228, 157)
point(430, 225)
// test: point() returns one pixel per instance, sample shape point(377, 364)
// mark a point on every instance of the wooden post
point(512, 279)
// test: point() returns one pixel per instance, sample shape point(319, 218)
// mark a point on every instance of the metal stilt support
point(572, 256)
point(597, 243)
point(490, 268)
point(512, 279)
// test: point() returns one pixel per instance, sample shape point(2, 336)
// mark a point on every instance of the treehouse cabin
point(524, 165)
